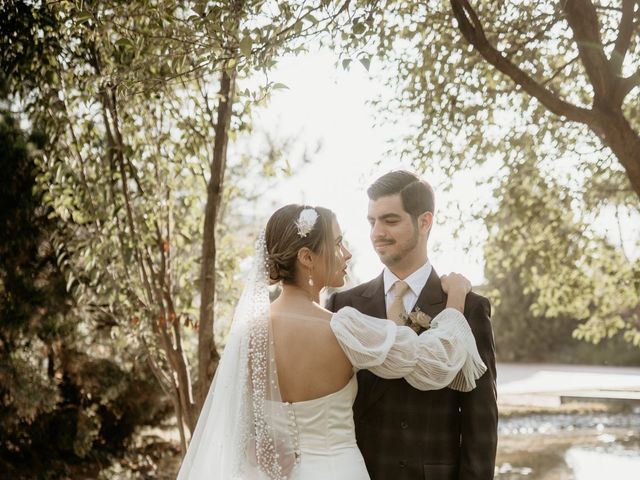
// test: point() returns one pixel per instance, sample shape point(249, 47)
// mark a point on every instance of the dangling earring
point(310, 281)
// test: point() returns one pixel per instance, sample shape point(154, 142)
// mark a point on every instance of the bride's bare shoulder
point(324, 314)
point(312, 317)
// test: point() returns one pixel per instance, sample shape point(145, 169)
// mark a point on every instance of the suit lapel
point(371, 301)
point(431, 301)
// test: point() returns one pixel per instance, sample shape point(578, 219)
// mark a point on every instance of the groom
point(404, 433)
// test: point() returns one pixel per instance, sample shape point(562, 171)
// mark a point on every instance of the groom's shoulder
point(361, 288)
point(478, 303)
point(343, 298)
point(476, 299)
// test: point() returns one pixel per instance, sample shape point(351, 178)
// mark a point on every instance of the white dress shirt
point(416, 281)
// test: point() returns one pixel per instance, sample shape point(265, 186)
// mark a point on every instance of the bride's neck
point(297, 293)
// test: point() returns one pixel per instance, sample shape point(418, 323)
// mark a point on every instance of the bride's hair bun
point(284, 240)
point(278, 268)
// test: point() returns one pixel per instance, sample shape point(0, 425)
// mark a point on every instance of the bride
point(280, 403)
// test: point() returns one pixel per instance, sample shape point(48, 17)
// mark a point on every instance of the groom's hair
point(416, 194)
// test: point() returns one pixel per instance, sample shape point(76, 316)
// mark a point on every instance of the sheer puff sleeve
point(445, 355)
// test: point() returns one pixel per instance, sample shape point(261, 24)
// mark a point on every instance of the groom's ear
point(425, 222)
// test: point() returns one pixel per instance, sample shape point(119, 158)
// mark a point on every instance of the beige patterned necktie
point(396, 310)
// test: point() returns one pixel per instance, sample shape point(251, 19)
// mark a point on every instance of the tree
point(140, 102)
point(30, 311)
point(479, 81)
point(550, 277)
point(565, 68)
point(604, 81)
point(68, 392)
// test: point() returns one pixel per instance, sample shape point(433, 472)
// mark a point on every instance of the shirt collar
point(416, 280)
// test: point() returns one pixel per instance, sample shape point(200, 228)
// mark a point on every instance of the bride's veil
point(245, 431)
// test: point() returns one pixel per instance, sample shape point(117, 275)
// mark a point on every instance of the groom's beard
point(402, 250)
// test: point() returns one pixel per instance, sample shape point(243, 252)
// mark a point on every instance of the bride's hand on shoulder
point(456, 286)
point(455, 282)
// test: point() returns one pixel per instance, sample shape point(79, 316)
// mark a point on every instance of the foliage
point(550, 274)
point(64, 397)
point(486, 85)
point(139, 100)
point(34, 300)
point(463, 105)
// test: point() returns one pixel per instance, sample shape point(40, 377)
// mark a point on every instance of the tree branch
point(163, 379)
point(471, 28)
point(629, 83)
point(114, 153)
point(560, 69)
point(527, 40)
point(624, 36)
point(583, 21)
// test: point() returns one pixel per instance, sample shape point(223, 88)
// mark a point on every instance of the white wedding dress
point(444, 355)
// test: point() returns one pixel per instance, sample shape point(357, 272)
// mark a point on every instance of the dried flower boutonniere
point(417, 320)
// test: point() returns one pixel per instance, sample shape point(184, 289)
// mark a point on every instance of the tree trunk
point(207, 355)
point(617, 134)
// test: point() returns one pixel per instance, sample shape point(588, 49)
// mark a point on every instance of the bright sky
point(329, 105)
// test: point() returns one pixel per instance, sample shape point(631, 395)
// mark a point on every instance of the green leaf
point(287, 170)
point(231, 64)
point(245, 45)
point(200, 8)
point(346, 62)
point(366, 62)
point(83, 16)
point(311, 19)
point(279, 86)
point(124, 42)
point(359, 28)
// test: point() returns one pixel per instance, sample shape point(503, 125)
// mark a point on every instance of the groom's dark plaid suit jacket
point(406, 434)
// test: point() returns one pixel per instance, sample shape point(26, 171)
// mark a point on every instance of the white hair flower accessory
point(306, 221)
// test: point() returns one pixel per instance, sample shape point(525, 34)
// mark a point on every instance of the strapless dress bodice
point(325, 437)
point(325, 424)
